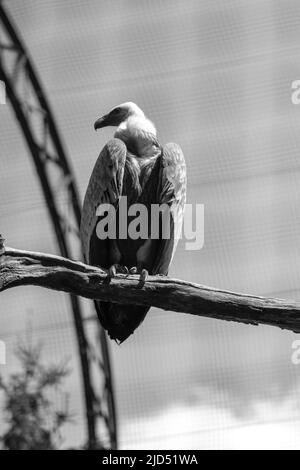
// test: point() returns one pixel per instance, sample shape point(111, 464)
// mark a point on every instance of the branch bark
point(19, 268)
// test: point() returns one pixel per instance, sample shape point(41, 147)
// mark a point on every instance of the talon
point(112, 271)
point(133, 270)
point(124, 270)
point(117, 268)
point(143, 276)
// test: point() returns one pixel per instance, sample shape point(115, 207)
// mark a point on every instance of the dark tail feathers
point(120, 321)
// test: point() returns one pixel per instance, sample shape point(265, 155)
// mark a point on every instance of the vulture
point(133, 164)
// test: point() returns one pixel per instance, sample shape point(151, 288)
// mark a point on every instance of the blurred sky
point(214, 76)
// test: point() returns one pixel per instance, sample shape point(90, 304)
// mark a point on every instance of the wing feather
point(105, 186)
point(171, 191)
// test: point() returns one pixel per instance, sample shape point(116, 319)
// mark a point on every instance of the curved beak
point(101, 122)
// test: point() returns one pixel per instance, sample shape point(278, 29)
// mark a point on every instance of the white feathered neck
point(139, 131)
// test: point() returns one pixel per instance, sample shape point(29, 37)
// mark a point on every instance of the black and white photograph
point(149, 228)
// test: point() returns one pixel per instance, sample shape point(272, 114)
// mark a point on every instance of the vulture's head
point(119, 114)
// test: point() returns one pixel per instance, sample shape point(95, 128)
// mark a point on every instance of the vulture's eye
point(116, 111)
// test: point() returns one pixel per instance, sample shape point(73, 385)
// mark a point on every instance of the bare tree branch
point(19, 268)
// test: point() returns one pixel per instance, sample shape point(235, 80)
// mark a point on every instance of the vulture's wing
point(105, 186)
point(171, 191)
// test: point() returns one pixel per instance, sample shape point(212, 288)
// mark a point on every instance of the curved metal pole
point(42, 157)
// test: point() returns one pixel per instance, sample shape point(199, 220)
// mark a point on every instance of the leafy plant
point(33, 421)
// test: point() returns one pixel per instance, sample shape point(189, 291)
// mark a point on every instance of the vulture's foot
point(116, 269)
point(142, 272)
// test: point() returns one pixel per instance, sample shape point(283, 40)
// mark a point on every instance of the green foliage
point(33, 422)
